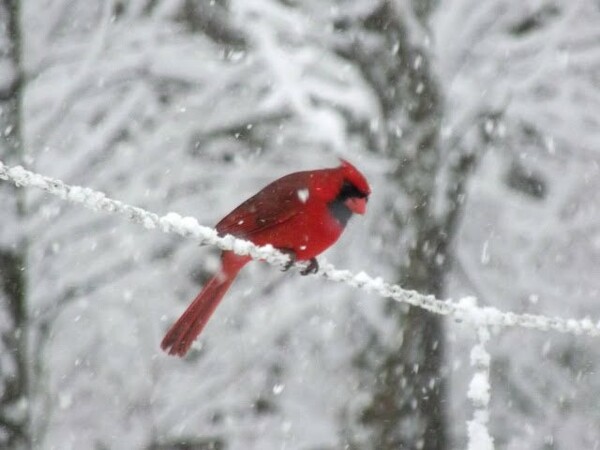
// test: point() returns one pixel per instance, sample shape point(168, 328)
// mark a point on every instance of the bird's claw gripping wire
point(291, 255)
point(312, 267)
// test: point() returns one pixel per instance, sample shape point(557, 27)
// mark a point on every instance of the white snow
point(479, 389)
point(303, 195)
point(479, 437)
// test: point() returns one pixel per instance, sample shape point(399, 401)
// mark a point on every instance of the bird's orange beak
point(356, 205)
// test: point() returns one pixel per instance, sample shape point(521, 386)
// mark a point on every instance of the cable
point(463, 310)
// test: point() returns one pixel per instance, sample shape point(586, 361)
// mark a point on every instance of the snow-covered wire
point(462, 310)
point(479, 394)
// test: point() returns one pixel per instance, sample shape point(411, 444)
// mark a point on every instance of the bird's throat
point(340, 211)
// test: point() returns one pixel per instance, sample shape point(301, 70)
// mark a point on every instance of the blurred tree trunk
point(14, 410)
point(407, 409)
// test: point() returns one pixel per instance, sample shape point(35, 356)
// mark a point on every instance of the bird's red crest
point(353, 175)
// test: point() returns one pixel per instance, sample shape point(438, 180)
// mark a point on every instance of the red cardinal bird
point(300, 214)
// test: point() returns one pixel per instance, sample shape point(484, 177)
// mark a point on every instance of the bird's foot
point(291, 255)
point(313, 267)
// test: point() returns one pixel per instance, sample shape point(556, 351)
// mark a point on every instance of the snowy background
point(477, 124)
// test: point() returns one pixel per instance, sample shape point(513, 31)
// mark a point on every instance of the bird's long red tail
point(182, 334)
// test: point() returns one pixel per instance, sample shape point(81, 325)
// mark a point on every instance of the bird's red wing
point(274, 205)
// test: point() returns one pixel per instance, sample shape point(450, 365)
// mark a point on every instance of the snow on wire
point(479, 394)
point(462, 310)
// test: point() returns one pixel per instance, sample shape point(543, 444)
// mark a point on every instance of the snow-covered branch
point(463, 310)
